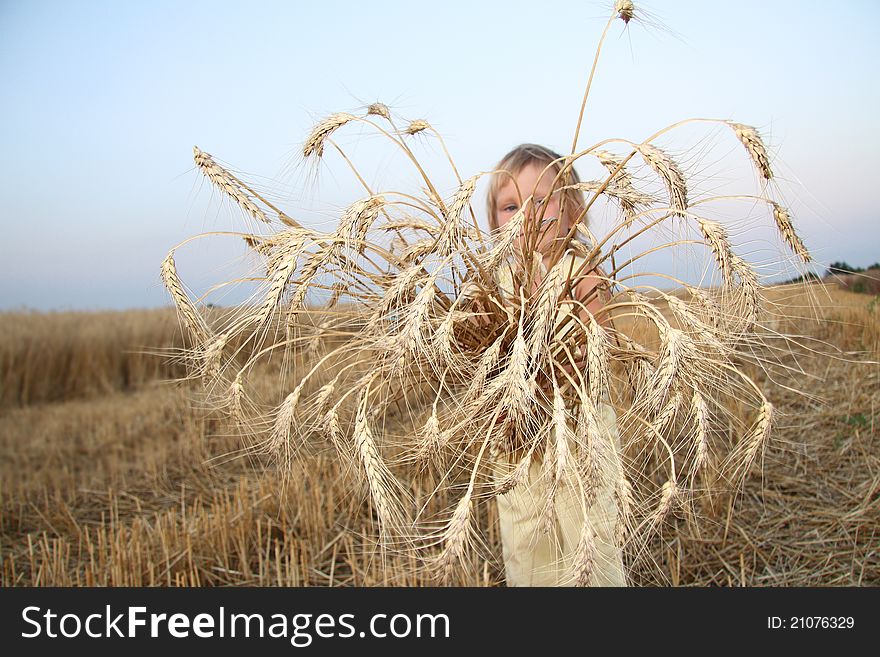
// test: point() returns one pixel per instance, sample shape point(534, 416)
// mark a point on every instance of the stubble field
point(113, 474)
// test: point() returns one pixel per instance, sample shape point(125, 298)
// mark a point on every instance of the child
point(533, 557)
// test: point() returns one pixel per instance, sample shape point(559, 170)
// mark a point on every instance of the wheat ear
point(668, 496)
point(315, 142)
point(786, 229)
point(624, 9)
point(416, 126)
point(185, 308)
point(379, 109)
point(669, 171)
point(228, 183)
point(374, 468)
point(754, 146)
point(561, 455)
point(758, 436)
point(701, 421)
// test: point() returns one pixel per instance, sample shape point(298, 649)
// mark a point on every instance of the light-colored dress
point(533, 557)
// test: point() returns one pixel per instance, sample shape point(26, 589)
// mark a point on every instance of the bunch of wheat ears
point(401, 351)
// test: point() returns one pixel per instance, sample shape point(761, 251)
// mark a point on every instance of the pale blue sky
point(101, 103)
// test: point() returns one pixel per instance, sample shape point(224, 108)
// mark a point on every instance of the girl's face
point(531, 181)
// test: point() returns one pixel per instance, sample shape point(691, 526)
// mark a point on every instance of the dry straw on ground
point(129, 483)
point(402, 353)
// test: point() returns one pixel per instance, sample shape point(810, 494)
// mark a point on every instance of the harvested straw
point(507, 372)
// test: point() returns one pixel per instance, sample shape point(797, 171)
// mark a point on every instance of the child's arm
point(592, 291)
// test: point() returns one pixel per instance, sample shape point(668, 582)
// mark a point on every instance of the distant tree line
point(808, 277)
point(837, 269)
point(846, 268)
point(856, 279)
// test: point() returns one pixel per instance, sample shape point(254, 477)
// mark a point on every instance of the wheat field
point(115, 473)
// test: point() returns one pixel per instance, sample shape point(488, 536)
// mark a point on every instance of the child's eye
point(509, 208)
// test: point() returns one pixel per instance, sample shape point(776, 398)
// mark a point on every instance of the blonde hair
point(572, 200)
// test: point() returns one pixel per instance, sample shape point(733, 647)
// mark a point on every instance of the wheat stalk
point(589, 437)
point(786, 229)
point(719, 243)
point(505, 242)
point(416, 126)
point(455, 535)
point(314, 144)
point(624, 9)
point(279, 441)
point(357, 220)
point(228, 183)
point(452, 231)
point(431, 438)
point(623, 496)
point(759, 435)
point(213, 358)
point(701, 421)
point(516, 476)
point(379, 109)
point(665, 167)
point(668, 497)
point(374, 468)
point(194, 322)
point(559, 464)
point(404, 297)
point(548, 302)
point(597, 361)
point(755, 147)
point(516, 381)
point(236, 395)
point(584, 557)
point(629, 198)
